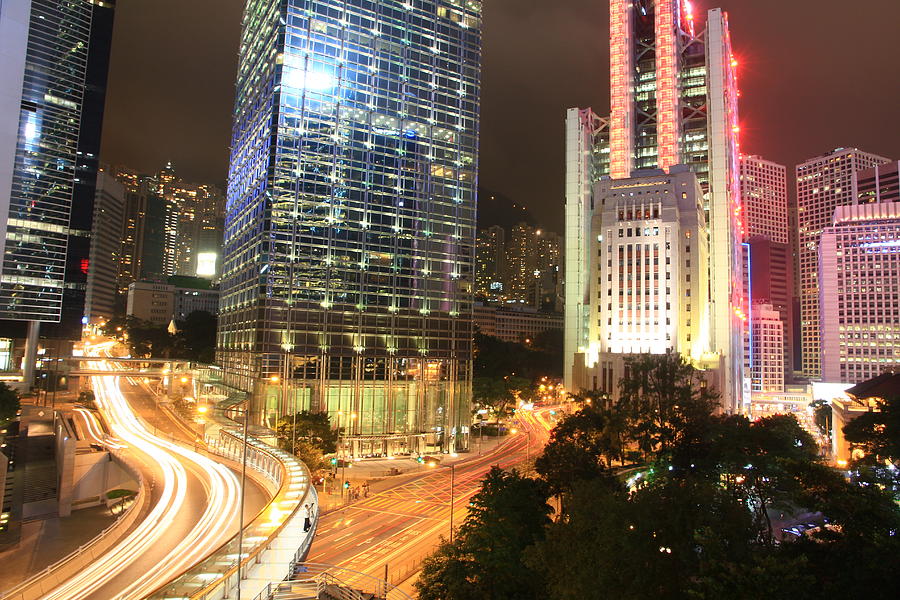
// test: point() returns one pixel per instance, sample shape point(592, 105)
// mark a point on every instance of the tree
point(9, 404)
point(649, 544)
point(666, 400)
point(313, 428)
point(877, 432)
point(822, 416)
point(196, 338)
point(507, 515)
point(578, 450)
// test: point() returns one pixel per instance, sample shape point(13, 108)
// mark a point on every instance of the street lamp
point(452, 481)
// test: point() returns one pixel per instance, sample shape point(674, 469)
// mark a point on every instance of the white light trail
point(206, 535)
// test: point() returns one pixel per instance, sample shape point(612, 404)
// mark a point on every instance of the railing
point(215, 576)
point(341, 583)
point(50, 577)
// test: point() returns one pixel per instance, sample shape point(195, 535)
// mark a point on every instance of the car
point(431, 460)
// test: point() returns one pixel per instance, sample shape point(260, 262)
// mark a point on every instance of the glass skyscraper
point(44, 48)
point(350, 218)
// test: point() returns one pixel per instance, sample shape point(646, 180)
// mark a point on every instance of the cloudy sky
point(815, 75)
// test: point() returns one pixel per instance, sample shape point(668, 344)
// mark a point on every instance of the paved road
point(193, 511)
point(403, 524)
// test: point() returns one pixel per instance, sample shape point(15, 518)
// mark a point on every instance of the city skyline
point(149, 89)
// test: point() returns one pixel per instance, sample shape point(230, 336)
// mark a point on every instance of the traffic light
point(420, 460)
point(333, 461)
point(346, 485)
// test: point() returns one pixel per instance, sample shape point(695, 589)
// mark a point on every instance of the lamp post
point(341, 439)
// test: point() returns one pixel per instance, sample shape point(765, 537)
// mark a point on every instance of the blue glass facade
point(350, 220)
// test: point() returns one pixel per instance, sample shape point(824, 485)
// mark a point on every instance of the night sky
point(815, 75)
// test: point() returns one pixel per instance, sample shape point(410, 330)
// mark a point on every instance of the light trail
point(210, 530)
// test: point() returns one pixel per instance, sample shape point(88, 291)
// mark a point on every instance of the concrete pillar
point(30, 358)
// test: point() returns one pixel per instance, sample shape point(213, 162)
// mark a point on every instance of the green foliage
point(313, 428)
point(9, 403)
point(484, 562)
point(195, 339)
point(581, 447)
point(498, 394)
point(495, 358)
point(822, 416)
point(666, 401)
point(877, 432)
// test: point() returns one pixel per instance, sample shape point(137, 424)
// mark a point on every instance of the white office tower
point(859, 262)
point(823, 183)
point(673, 101)
point(766, 351)
point(650, 283)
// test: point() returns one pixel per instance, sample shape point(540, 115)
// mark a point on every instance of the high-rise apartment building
point(350, 223)
point(673, 101)
point(823, 184)
point(490, 264)
point(859, 292)
point(521, 262)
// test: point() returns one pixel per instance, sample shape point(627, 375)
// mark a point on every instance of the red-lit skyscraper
point(673, 101)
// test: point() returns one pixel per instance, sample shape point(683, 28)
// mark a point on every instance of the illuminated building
point(673, 101)
point(515, 322)
point(50, 123)
point(823, 183)
point(859, 292)
point(650, 279)
point(347, 277)
point(521, 262)
point(764, 195)
point(490, 264)
point(879, 184)
point(768, 237)
point(106, 242)
point(767, 351)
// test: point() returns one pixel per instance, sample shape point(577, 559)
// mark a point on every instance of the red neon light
point(620, 88)
point(85, 264)
point(666, 83)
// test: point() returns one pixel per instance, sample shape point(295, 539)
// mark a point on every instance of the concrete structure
point(515, 323)
point(350, 230)
point(151, 301)
point(859, 281)
point(106, 242)
point(673, 101)
point(823, 183)
point(766, 350)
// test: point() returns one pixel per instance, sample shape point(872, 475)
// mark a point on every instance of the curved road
point(194, 502)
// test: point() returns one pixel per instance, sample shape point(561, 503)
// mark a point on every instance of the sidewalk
point(379, 474)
